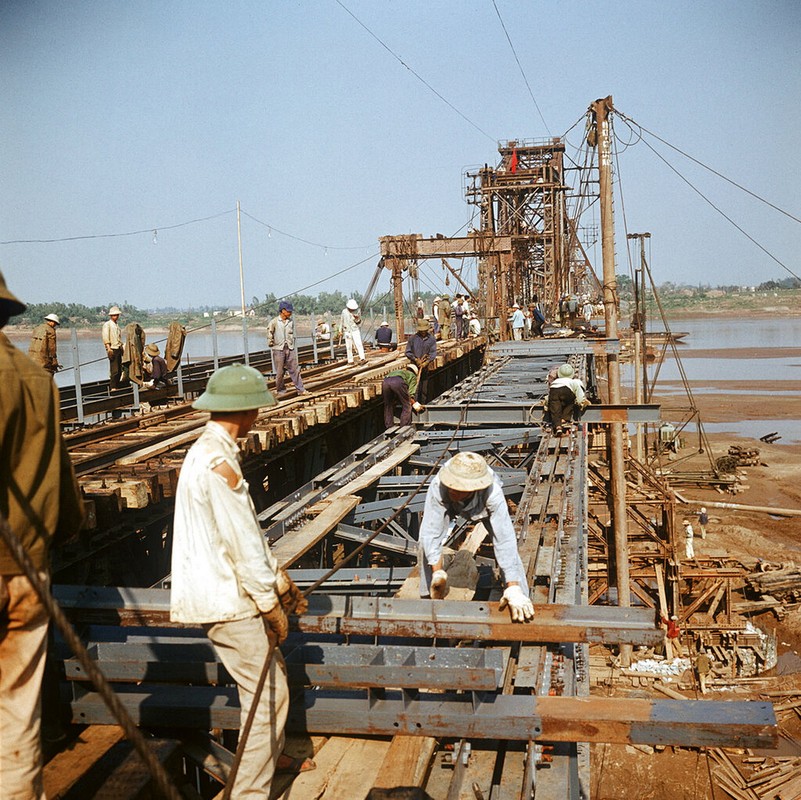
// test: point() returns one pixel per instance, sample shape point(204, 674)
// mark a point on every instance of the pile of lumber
point(781, 582)
point(772, 778)
point(744, 456)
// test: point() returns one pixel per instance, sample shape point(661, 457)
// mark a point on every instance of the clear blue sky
point(126, 116)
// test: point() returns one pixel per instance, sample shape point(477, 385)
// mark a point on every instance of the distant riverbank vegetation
point(773, 296)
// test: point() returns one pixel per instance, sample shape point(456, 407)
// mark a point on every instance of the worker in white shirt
point(224, 577)
point(351, 320)
point(565, 393)
point(467, 487)
point(112, 341)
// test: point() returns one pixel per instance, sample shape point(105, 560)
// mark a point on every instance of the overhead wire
point(707, 167)
point(520, 66)
point(272, 228)
point(719, 210)
point(416, 74)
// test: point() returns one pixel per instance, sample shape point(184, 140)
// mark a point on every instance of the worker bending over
point(400, 387)
point(224, 577)
point(467, 487)
point(565, 394)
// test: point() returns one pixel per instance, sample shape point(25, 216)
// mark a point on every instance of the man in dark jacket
point(421, 350)
point(39, 502)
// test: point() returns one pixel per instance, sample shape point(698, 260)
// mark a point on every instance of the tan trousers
point(23, 645)
point(242, 646)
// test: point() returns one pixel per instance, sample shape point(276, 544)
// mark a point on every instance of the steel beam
point(530, 414)
point(706, 723)
point(555, 347)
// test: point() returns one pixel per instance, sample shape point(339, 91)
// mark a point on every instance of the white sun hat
point(466, 472)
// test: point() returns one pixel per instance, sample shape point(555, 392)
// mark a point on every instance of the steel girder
point(488, 413)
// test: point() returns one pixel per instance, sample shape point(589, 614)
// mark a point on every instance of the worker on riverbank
point(224, 577)
point(400, 387)
point(282, 343)
point(421, 350)
point(703, 521)
point(565, 393)
point(349, 328)
point(40, 503)
point(467, 487)
point(112, 341)
point(43, 349)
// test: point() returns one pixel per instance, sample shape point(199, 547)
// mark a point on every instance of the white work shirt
point(489, 504)
point(222, 567)
point(112, 338)
point(349, 324)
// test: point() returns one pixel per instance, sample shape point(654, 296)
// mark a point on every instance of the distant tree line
point(77, 314)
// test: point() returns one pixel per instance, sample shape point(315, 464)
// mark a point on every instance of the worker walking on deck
point(224, 577)
point(444, 317)
point(421, 350)
point(43, 349)
point(517, 321)
point(281, 341)
point(467, 487)
point(689, 548)
point(112, 341)
point(351, 319)
point(40, 503)
point(400, 387)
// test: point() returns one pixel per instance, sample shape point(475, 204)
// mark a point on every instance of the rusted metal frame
point(530, 414)
point(638, 589)
point(390, 617)
point(476, 245)
point(599, 591)
point(707, 723)
point(709, 592)
point(389, 542)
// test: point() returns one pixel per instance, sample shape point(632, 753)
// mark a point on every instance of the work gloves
point(290, 597)
point(418, 407)
point(584, 403)
point(278, 622)
point(521, 608)
point(439, 584)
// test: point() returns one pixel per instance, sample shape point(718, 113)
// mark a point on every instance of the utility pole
point(601, 110)
point(640, 374)
point(241, 270)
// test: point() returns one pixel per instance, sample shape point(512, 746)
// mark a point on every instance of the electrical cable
point(520, 67)
point(299, 238)
point(416, 75)
point(707, 167)
point(327, 278)
point(149, 231)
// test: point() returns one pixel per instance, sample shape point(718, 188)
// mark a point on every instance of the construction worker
point(517, 321)
point(282, 343)
point(474, 327)
point(444, 317)
point(467, 487)
point(224, 577)
point(156, 366)
point(565, 393)
point(703, 521)
point(39, 503)
point(421, 350)
point(351, 319)
point(689, 548)
point(112, 341)
point(400, 386)
point(43, 347)
point(383, 337)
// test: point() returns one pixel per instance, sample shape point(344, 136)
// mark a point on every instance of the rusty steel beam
point(415, 246)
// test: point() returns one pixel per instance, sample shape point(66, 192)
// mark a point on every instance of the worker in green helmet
point(224, 577)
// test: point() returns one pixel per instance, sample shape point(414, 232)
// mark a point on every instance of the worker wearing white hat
point(689, 548)
point(467, 487)
point(703, 521)
point(351, 319)
point(112, 341)
point(43, 349)
point(517, 321)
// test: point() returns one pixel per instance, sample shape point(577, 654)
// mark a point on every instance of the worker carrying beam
point(224, 577)
point(467, 487)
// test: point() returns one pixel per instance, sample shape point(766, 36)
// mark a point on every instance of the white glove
point(439, 584)
point(418, 408)
point(521, 608)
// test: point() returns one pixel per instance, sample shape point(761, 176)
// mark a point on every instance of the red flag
point(513, 162)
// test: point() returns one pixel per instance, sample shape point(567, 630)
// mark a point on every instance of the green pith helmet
point(235, 388)
point(566, 371)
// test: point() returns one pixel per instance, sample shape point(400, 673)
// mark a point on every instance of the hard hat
point(703, 510)
point(516, 305)
point(466, 472)
point(114, 310)
point(352, 304)
point(384, 323)
point(413, 368)
point(285, 305)
point(53, 318)
point(566, 371)
point(9, 304)
point(152, 349)
point(685, 522)
point(423, 324)
point(235, 388)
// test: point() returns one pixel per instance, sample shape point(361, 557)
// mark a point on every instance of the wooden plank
point(293, 545)
point(66, 768)
point(162, 447)
point(406, 762)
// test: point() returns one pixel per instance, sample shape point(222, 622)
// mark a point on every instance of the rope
point(164, 784)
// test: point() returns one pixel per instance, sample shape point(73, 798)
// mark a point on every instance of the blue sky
point(121, 117)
